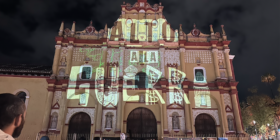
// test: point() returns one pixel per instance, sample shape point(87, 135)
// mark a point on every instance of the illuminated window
point(203, 100)
point(199, 75)
point(83, 99)
point(86, 73)
point(54, 118)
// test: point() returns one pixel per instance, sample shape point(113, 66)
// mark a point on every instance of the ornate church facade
point(140, 77)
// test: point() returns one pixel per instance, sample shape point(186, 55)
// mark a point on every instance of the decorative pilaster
point(226, 53)
point(161, 51)
point(165, 125)
point(99, 118)
point(64, 107)
point(47, 111)
point(104, 51)
point(61, 112)
point(187, 119)
point(119, 113)
point(215, 52)
point(56, 59)
point(182, 55)
point(223, 112)
point(121, 61)
point(69, 60)
point(236, 112)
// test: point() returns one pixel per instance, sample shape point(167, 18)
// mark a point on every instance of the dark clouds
point(28, 28)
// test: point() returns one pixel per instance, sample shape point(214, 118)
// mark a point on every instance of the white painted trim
point(231, 56)
point(81, 69)
point(204, 73)
point(27, 95)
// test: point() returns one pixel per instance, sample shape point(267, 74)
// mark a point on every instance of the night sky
point(28, 29)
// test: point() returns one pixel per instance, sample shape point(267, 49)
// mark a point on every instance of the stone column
point(182, 56)
point(119, 113)
point(47, 111)
point(61, 114)
point(229, 72)
point(56, 59)
point(161, 51)
point(99, 118)
point(187, 116)
point(223, 114)
point(215, 52)
point(236, 112)
point(69, 60)
point(121, 63)
point(165, 125)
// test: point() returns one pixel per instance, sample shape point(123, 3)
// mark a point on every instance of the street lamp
point(255, 127)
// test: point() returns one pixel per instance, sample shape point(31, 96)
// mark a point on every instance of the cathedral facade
point(139, 77)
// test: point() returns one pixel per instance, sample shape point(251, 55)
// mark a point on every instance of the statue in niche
point(221, 64)
point(108, 121)
point(54, 120)
point(61, 72)
point(63, 61)
point(175, 122)
point(230, 124)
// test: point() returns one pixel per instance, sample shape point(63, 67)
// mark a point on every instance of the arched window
point(141, 80)
point(22, 96)
point(109, 120)
point(175, 121)
point(86, 72)
point(230, 123)
point(199, 75)
point(54, 118)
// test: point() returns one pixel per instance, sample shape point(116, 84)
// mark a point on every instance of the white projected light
point(202, 97)
point(176, 94)
point(134, 56)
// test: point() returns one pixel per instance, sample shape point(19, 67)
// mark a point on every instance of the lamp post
point(255, 127)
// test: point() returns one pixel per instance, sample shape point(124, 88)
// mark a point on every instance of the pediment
point(175, 106)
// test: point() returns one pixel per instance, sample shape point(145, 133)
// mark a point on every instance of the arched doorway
point(79, 126)
point(141, 124)
point(141, 80)
point(205, 126)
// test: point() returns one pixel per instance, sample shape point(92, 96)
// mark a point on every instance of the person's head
point(12, 114)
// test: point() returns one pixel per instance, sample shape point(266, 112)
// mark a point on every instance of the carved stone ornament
point(195, 32)
point(213, 113)
point(172, 57)
point(90, 29)
point(72, 111)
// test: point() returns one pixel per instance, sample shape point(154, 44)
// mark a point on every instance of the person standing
point(12, 116)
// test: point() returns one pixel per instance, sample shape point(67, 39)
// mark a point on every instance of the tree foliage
point(262, 109)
